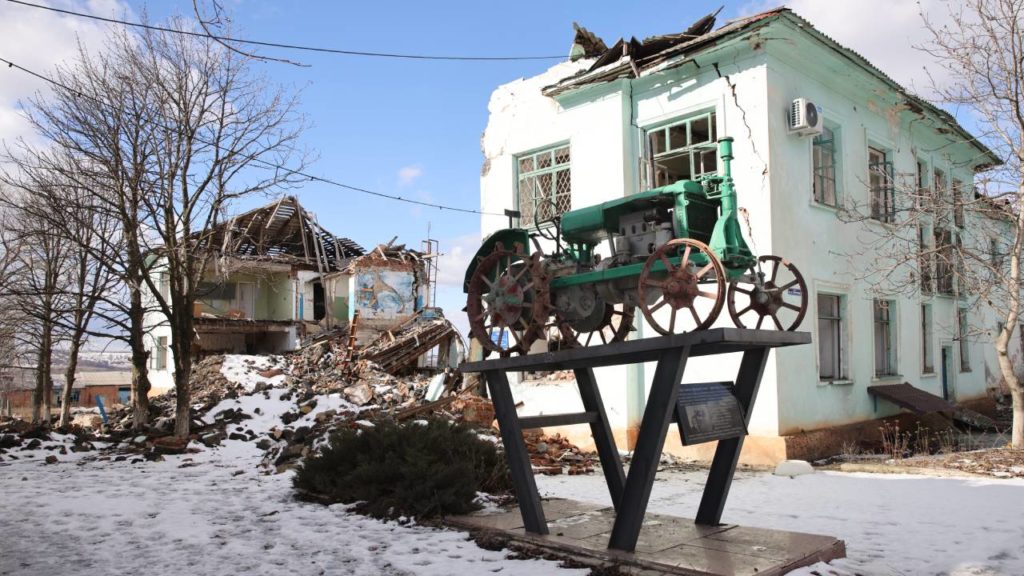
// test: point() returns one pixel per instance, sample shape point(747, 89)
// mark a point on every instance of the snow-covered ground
point(215, 517)
point(214, 513)
point(892, 524)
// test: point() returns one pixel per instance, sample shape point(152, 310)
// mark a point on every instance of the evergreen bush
point(391, 470)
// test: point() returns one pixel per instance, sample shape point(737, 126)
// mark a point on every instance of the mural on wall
point(385, 294)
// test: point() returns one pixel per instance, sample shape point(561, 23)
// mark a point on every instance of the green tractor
point(676, 252)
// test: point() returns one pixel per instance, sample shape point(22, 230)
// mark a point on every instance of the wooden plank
point(546, 420)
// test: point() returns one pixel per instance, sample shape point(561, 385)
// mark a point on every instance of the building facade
point(642, 115)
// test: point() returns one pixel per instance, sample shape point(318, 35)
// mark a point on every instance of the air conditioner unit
point(805, 118)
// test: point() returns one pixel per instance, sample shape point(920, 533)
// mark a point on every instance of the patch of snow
point(793, 468)
point(244, 369)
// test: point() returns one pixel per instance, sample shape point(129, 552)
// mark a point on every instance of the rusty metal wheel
point(507, 302)
point(694, 285)
point(773, 289)
point(615, 327)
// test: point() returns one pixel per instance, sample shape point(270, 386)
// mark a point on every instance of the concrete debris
point(552, 455)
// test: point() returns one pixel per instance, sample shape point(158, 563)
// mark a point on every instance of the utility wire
point(286, 46)
point(271, 165)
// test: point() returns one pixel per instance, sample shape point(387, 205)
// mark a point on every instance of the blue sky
point(411, 127)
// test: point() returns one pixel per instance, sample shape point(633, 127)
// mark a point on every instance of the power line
point(271, 165)
point(286, 46)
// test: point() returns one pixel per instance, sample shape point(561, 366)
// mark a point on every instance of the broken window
point(544, 184)
point(683, 150)
point(880, 182)
point(923, 194)
point(927, 355)
point(939, 193)
point(885, 341)
point(319, 305)
point(963, 329)
point(824, 171)
point(830, 337)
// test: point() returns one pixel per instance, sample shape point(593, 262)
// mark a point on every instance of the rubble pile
point(552, 455)
point(397, 351)
point(17, 436)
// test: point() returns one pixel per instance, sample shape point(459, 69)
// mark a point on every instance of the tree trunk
point(140, 362)
point(69, 379)
point(181, 345)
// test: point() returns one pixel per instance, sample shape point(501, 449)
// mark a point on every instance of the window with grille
point(824, 160)
point(830, 337)
point(885, 341)
point(683, 150)
point(544, 184)
point(880, 182)
point(927, 354)
point(963, 330)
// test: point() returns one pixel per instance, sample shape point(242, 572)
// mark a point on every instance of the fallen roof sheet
point(914, 399)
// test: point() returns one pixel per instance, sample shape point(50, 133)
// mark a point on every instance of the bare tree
point(945, 236)
point(165, 130)
point(982, 50)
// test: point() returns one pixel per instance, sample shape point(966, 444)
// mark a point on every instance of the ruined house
point(278, 277)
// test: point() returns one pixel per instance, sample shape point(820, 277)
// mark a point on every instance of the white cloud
point(408, 174)
point(457, 253)
point(885, 32)
point(38, 39)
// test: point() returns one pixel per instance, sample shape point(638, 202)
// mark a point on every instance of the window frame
point(553, 169)
point(838, 327)
point(884, 210)
point(963, 339)
point(927, 340)
point(819, 172)
point(160, 358)
point(704, 149)
point(889, 332)
point(957, 190)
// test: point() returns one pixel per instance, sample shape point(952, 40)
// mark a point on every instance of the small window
point(830, 338)
point(995, 251)
point(544, 184)
point(164, 286)
point(880, 184)
point(923, 193)
point(963, 331)
point(939, 193)
point(885, 341)
point(927, 353)
point(76, 396)
point(824, 171)
point(161, 353)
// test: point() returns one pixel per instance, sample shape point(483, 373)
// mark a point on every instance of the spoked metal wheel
point(507, 303)
point(771, 295)
point(614, 327)
point(684, 296)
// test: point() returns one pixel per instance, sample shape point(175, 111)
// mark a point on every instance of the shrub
point(392, 470)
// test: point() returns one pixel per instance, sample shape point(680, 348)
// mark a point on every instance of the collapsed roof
point(634, 58)
point(283, 231)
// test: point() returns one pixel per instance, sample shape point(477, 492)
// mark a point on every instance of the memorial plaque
point(707, 412)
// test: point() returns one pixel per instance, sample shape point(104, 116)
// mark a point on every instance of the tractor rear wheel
point(507, 301)
point(687, 295)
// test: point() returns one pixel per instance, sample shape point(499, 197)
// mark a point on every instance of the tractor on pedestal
point(676, 252)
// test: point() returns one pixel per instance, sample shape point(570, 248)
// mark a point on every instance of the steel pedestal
point(630, 494)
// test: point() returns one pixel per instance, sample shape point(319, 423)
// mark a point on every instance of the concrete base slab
point(667, 544)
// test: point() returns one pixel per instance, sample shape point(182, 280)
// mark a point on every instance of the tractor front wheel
point(770, 295)
point(683, 296)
